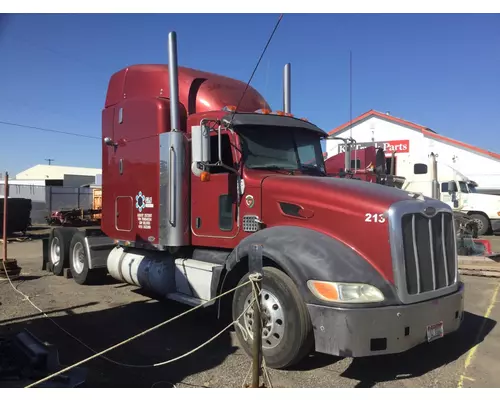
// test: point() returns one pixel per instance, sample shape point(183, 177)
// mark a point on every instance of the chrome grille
point(428, 250)
point(423, 250)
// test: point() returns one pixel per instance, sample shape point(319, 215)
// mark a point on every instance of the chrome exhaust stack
point(287, 88)
point(173, 214)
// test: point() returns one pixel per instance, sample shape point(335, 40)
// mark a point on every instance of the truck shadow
point(104, 328)
point(422, 359)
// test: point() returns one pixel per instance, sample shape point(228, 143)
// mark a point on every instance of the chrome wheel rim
point(273, 319)
point(55, 251)
point(78, 258)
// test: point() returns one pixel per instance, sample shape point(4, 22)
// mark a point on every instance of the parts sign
point(398, 146)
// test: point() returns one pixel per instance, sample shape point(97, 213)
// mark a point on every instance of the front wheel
point(287, 334)
point(483, 224)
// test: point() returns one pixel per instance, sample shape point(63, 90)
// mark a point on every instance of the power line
point(49, 130)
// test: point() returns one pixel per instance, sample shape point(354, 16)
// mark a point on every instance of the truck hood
point(351, 211)
point(334, 191)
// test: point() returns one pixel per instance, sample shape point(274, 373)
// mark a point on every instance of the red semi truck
point(190, 183)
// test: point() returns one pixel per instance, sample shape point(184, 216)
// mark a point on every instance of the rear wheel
point(287, 334)
point(483, 224)
point(59, 249)
point(79, 263)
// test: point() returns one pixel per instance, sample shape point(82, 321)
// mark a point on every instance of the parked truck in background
point(367, 164)
point(444, 182)
point(416, 175)
point(190, 183)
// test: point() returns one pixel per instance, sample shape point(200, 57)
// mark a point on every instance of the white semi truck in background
point(443, 182)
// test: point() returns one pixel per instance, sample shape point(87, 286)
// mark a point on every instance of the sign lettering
point(398, 146)
point(144, 221)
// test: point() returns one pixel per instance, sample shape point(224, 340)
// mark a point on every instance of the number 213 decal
point(377, 218)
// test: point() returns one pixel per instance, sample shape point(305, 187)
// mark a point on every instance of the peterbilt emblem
point(249, 200)
point(430, 211)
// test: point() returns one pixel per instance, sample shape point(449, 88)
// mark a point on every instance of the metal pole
point(287, 88)
point(173, 76)
point(255, 267)
point(5, 209)
point(347, 156)
point(393, 160)
point(435, 184)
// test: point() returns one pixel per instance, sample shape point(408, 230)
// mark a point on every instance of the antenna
point(350, 91)
point(257, 66)
point(49, 160)
point(350, 113)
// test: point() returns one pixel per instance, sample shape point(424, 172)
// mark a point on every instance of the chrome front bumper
point(374, 331)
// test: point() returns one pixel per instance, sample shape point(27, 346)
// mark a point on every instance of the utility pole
point(5, 201)
point(49, 160)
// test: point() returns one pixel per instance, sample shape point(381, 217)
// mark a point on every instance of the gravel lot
point(106, 314)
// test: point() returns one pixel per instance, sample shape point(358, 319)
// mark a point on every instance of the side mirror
point(420, 169)
point(200, 148)
point(452, 187)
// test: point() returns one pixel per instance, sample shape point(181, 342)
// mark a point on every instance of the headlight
point(341, 292)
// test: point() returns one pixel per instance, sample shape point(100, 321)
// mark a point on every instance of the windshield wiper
point(312, 168)
point(275, 168)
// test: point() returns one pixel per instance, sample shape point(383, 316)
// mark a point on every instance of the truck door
point(213, 203)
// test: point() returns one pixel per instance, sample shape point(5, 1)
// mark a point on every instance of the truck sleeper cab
point(351, 268)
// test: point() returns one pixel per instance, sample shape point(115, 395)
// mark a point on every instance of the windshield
point(463, 187)
point(281, 148)
point(472, 188)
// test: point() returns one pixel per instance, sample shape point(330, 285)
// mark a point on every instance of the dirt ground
point(106, 314)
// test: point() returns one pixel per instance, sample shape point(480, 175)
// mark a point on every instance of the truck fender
point(306, 254)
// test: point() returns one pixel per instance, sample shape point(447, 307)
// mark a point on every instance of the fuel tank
point(150, 271)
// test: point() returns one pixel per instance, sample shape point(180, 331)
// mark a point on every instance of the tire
point(482, 222)
point(79, 263)
point(281, 302)
point(59, 245)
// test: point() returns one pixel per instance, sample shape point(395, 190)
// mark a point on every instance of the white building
point(413, 143)
point(58, 175)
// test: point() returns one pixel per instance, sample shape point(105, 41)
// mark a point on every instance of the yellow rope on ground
point(133, 338)
point(252, 279)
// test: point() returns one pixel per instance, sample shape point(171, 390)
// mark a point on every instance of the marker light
point(289, 114)
point(204, 176)
point(229, 108)
point(280, 112)
point(342, 292)
point(305, 119)
point(263, 111)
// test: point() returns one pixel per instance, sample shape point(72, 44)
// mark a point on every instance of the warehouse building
point(58, 175)
point(411, 141)
point(55, 187)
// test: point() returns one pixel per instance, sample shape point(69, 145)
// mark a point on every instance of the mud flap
point(45, 254)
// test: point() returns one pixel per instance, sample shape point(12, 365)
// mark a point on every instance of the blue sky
point(441, 71)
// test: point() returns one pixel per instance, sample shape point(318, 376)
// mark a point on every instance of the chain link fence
point(45, 199)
